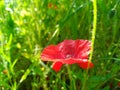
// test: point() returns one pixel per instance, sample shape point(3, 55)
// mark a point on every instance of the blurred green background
point(28, 26)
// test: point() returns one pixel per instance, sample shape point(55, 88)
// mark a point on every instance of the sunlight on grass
point(27, 27)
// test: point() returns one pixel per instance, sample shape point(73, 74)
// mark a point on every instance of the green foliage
point(27, 26)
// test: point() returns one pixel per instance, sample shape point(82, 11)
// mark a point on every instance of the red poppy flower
point(50, 5)
point(55, 7)
point(119, 84)
point(68, 52)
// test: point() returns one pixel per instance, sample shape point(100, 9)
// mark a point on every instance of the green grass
point(28, 26)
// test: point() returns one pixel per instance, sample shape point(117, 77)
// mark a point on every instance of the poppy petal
point(71, 60)
point(85, 65)
point(57, 66)
point(50, 53)
point(82, 49)
point(66, 48)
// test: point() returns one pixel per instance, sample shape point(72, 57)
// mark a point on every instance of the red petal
point(67, 47)
point(57, 66)
point(86, 64)
point(50, 53)
point(82, 49)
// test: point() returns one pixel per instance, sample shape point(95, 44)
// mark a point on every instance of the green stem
point(94, 28)
point(72, 81)
point(92, 40)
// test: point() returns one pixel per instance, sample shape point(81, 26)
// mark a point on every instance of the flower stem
point(92, 40)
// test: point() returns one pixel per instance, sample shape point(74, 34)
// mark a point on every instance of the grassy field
point(28, 26)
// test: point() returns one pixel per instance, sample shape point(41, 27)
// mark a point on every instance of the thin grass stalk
point(92, 41)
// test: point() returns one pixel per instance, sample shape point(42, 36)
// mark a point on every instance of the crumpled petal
point(57, 66)
point(82, 49)
point(66, 48)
